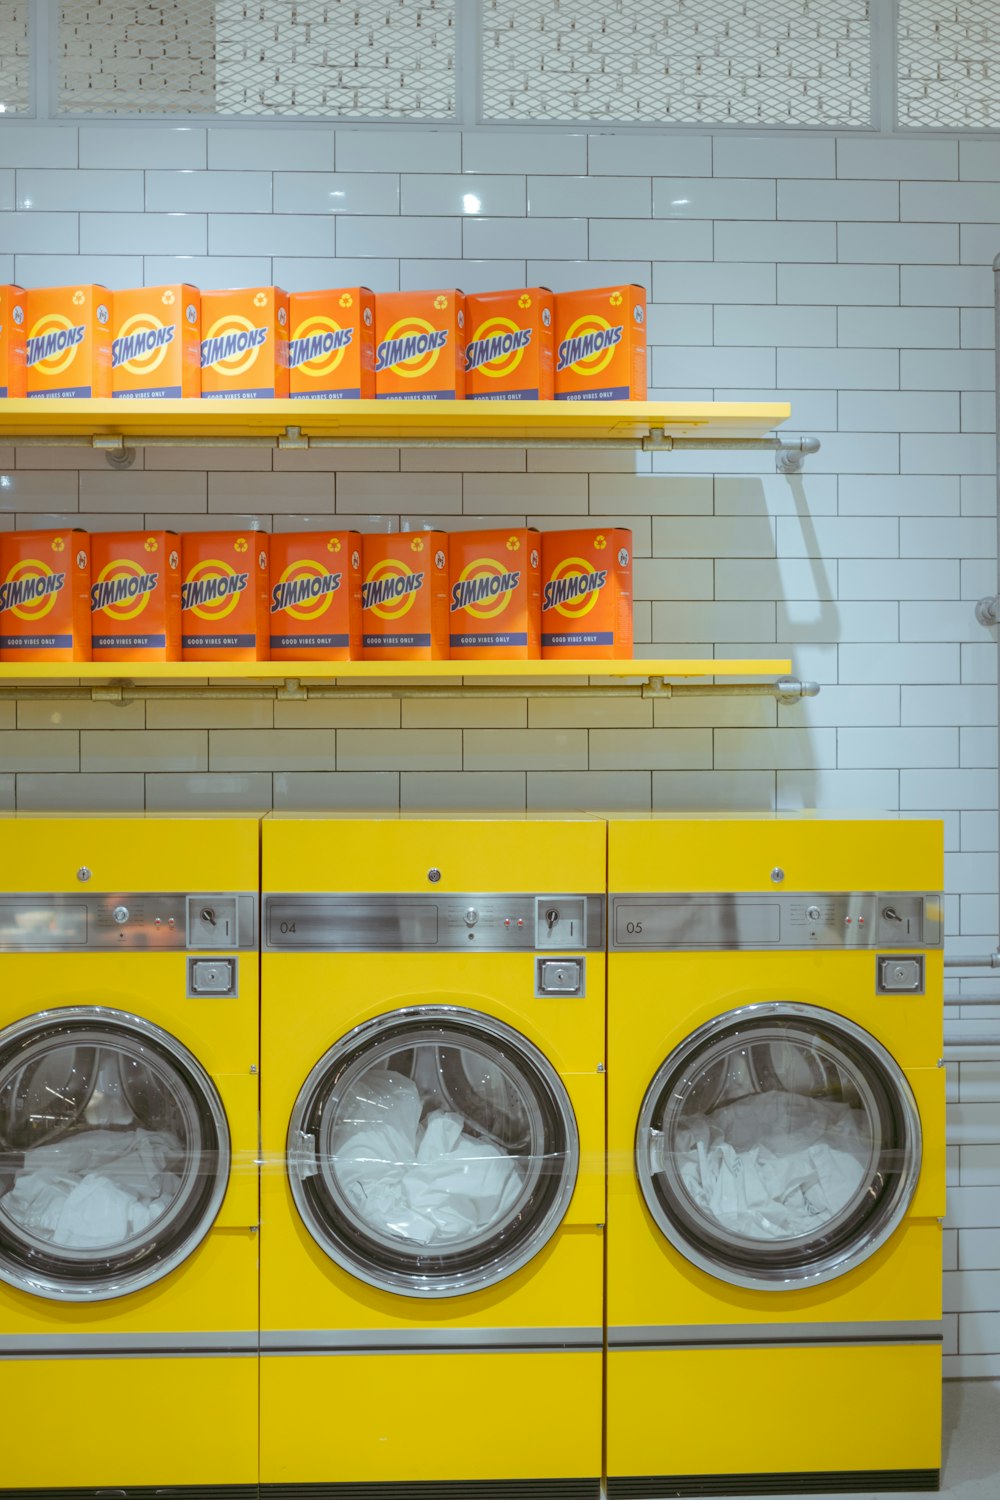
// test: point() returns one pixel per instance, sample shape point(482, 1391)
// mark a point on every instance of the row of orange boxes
point(258, 342)
point(511, 595)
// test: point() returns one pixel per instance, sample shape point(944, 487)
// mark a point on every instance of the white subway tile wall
point(850, 276)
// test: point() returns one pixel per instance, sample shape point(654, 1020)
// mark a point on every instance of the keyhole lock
point(551, 917)
point(207, 914)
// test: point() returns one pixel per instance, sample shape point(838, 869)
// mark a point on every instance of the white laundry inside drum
point(95, 1189)
point(771, 1166)
point(424, 1178)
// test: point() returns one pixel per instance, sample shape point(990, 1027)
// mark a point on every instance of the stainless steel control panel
point(143, 921)
point(466, 922)
point(829, 920)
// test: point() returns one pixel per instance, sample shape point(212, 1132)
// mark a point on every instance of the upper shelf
point(298, 423)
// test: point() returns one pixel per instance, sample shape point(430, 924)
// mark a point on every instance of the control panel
point(491, 922)
point(140, 921)
point(762, 920)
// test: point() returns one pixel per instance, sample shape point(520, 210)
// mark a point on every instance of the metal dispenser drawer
point(212, 977)
point(555, 977)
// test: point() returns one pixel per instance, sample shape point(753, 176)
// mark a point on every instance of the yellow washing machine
point(128, 1133)
point(432, 1105)
point(776, 1156)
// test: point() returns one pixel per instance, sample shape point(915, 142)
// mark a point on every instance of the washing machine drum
point(433, 1151)
point(114, 1153)
point(779, 1146)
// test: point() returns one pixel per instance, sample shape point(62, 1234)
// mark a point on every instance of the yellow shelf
point(446, 671)
point(389, 421)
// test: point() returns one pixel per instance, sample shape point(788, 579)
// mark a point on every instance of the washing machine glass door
point(114, 1153)
point(432, 1151)
point(778, 1146)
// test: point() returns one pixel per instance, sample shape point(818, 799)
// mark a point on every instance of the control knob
point(471, 917)
point(813, 913)
point(120, 914)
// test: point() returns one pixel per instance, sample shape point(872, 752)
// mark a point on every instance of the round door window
point(432, 1151)
point(114, 1154)
point(778, 1146)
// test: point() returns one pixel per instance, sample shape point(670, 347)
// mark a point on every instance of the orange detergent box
point(13, 376)
point(244, 344)
point(68, 341)
point(404, 596)
point(135, 596)
point(601, 344)
point(156, 348)
point(420, 346)
point(224, 596)
point(44, 595)
point(587, 594)
point(331, 345)
point(315, 601)
point(494, 593)
point(509, 353)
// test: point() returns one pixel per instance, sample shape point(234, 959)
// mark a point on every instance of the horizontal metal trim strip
point(429, 1340)
point(737, 1335)
point(61, 1345)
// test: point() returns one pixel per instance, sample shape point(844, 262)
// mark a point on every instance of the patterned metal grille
point(136, 59)
point(761, 62)
point(345, 58)
point(342, 58)
point(15, 64)
point(949, 64)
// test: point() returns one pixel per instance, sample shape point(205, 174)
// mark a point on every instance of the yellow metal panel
point(738, 854)
point(214, 1290)
point(393, 421)
point(651, 1283)
point(397, 671)
point(113, 1422)
point(221, 1032)
point(130, 853)
point(701, 986)
point(471, 853)
point(361, 1418)
point(329, 994)
point(759, 1411)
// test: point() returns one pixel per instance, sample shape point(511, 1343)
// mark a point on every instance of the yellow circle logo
point(34, 586)
point(141, 345)
point(212, 589)
point(50, 324)
point(583, 603)
point(309, 605)
point(504, 331)
point(422, 360)
point(318, 346)
point(131, 603)
point(602, 357)
point(390, 589)
point(237, 333)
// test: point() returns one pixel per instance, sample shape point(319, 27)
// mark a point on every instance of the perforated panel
point(768, 62)
point(14, 59)
point(949, 64)
point(341, 58)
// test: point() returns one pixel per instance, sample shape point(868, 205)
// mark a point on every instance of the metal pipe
point(989, 961)
point(127, 692)
point(956, 1000)
point(973, 1041)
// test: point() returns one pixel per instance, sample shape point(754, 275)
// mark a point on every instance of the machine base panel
point(853, 1482)
point(112, 1491)
point(446, 1489)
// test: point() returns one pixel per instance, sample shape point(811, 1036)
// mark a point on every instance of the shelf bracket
point(292, 438)
point(112, 445)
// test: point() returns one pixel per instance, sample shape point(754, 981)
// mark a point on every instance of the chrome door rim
point(356, 1251)
point(888, 1211)
point(60, 1027)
